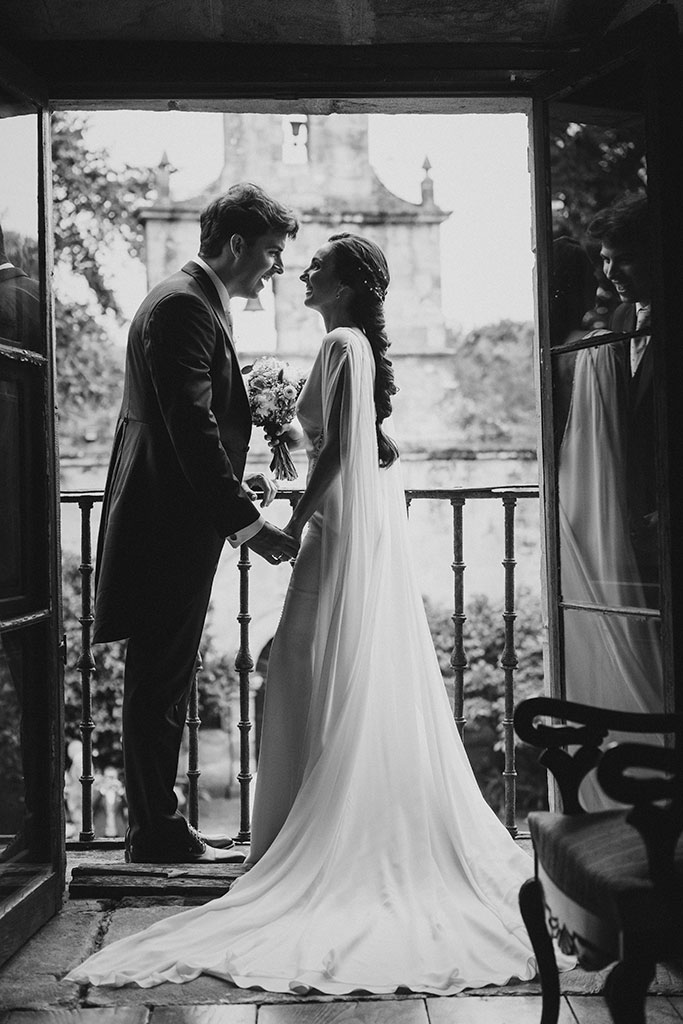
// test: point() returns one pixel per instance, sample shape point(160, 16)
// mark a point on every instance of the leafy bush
point(217, 680)
point(484, 641)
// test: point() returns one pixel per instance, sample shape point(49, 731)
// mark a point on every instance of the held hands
point(258, 484)
point(274, 545)
point(294, 529)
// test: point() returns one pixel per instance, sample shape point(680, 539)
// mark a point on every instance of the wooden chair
point(608, 885)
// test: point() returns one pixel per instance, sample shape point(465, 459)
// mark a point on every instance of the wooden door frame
point(27, 909)
point(651, 38)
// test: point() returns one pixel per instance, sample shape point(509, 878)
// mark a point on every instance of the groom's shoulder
point(175, 286)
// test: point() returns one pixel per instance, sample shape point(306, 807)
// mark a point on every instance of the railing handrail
point(514, 490)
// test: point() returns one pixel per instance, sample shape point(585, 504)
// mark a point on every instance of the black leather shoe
point(218, 842)
point(196, 850)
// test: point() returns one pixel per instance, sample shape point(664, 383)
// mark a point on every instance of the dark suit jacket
point(173, 490)
point(641, 444)
point(20, 310)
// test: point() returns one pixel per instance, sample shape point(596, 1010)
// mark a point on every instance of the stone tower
point(319, 165)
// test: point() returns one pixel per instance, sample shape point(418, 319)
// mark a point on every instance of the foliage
point(590, 167)
point(491, 403)
point(484, 641)
point(11, 766)
point(89, 369)
point(94, 206)
point(217, 680)
point(94, 216)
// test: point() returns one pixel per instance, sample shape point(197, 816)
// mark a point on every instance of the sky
point(479, 167)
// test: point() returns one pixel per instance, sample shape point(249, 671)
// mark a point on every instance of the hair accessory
point(370, 280)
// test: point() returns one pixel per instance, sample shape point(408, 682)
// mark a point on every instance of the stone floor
point(32, 992)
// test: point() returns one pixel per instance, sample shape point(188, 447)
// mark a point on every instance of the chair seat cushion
point(600, 861)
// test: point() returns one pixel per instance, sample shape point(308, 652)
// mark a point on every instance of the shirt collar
point(223, 293)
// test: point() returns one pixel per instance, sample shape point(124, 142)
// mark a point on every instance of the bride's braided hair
point(361, 265)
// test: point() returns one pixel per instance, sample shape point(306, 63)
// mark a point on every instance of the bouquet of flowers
point(272, 389)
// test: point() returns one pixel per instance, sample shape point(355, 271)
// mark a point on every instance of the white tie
point(638, 345)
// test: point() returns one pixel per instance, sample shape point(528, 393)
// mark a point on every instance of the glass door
point(606, 213)
point(31, 698)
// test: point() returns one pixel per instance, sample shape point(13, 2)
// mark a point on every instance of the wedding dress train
point(377, 864)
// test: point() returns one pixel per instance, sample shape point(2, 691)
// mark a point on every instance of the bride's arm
point(326, 468)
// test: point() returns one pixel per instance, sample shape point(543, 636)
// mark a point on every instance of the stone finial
point(427, 184)
point(163, 178)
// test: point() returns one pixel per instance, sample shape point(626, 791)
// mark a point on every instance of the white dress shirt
point(244, 535)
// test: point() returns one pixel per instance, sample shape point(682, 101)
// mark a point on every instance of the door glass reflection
point(602, 356)
point(24, 844)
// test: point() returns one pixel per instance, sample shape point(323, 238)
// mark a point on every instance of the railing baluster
point(193, 723)
point(458, 657)
point(509, 663)
point(244, 665)
point(86, 668)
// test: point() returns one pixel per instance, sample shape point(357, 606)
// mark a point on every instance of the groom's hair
point(244, 210)
point(626, 222)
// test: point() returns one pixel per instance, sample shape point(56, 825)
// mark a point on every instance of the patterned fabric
point(600, 861)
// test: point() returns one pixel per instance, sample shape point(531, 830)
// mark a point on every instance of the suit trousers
point(160, 664)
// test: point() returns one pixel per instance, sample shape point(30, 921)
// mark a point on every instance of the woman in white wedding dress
point(376, 864)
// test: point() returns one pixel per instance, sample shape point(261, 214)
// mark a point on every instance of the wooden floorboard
point(391, 1011)
point(593, 1010)
point(491, 1010)
point(239, 1014)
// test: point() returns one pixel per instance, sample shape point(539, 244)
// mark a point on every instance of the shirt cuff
point(244, 535)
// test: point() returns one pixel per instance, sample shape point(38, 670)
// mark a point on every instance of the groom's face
point(256, 262)
point(628, 269)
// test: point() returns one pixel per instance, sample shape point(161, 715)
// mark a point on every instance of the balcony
point(434, 512)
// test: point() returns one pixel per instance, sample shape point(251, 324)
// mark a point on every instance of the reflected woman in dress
point(611, 660)
point(376, 863)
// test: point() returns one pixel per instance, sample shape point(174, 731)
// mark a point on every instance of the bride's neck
point(339, 317)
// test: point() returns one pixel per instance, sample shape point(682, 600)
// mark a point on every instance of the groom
point(174, 492)
point(623, 230)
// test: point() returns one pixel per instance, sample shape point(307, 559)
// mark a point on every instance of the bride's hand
point(293, 529)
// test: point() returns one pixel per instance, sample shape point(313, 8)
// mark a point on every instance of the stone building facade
point(320, 166)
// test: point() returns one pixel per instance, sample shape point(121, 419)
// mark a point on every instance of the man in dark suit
point(623, 230)
point(19, 305)
point(174, 492)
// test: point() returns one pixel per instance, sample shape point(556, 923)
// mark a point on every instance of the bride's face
point(321, 280)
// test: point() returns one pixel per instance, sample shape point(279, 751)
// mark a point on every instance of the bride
point(376, 864)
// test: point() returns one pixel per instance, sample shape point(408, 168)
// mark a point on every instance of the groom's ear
point(236, 245)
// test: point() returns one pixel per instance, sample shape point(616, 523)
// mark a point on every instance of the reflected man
point(623, 231)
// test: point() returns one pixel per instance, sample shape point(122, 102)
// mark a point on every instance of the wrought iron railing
point(244, 663)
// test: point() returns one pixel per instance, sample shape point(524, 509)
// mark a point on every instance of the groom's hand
point(258, 485)
point(274, 545)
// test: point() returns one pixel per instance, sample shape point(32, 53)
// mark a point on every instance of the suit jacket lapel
point(643, 378)
point(208, 287)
